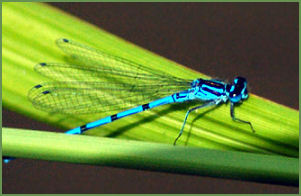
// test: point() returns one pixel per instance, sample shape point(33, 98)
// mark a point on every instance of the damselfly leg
point(188, 112)
point(237, 119)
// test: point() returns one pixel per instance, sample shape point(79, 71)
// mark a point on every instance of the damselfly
point(100, 82)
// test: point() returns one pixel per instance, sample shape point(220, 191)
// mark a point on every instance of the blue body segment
point(110, 82)
point(211, 91)
point(109, 119)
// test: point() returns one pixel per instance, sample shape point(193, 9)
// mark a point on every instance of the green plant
point(277, 126)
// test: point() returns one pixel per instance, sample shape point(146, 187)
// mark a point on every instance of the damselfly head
point(238, 90)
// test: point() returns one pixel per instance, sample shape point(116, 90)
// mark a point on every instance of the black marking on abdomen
point(114, 117)
point(173, 98)
point(83, 128)
point(43, 64)
point(145, 106)
point(46, 92)
point(178, 96)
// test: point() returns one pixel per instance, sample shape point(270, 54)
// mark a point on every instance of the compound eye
point(239, 91)
point(245, 94)
point(239, 81)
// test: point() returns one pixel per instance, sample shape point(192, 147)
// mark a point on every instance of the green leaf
point(150, 156)
point(29, 31)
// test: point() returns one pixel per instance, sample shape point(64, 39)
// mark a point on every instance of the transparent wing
point(78, 72)
point(99, 82)
point(90, 97)
point(111, 66)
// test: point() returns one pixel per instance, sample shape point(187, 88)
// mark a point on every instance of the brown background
point(256, 40)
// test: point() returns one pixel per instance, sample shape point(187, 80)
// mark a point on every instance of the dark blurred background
point(256, 40)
